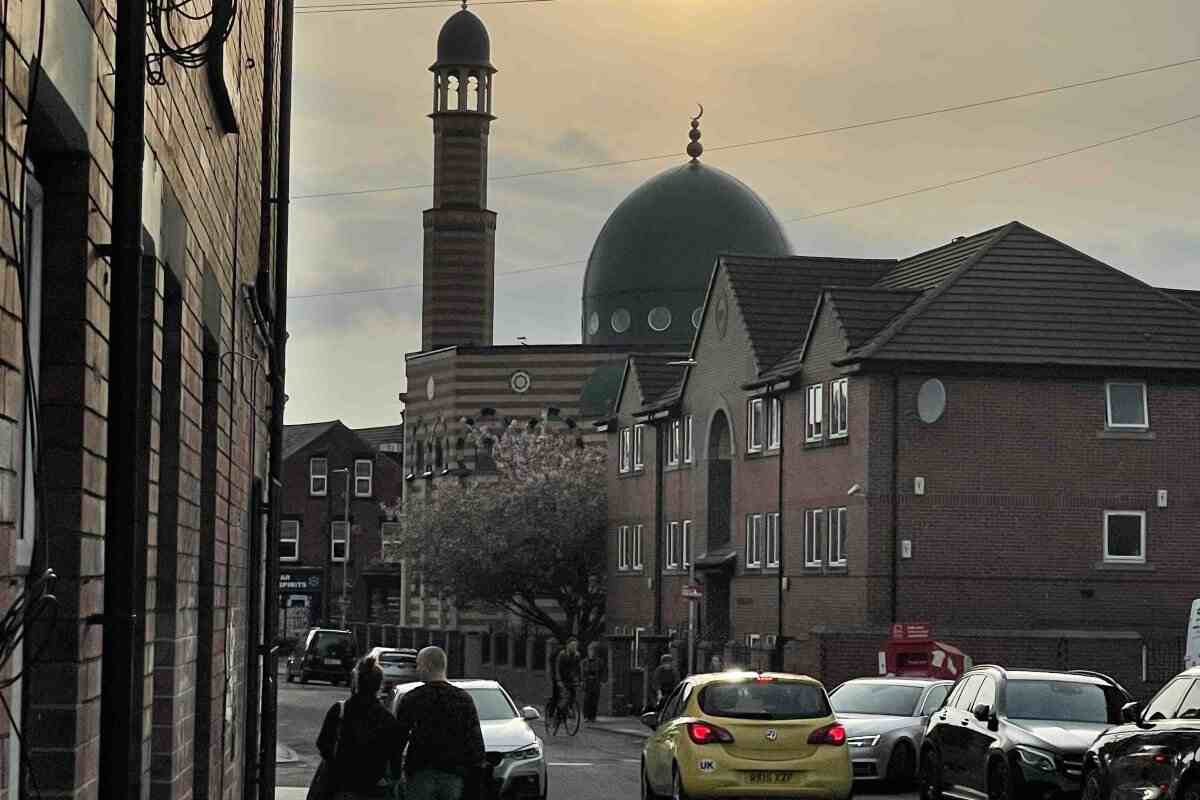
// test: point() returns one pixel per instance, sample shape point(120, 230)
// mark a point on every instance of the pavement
point(621, 726)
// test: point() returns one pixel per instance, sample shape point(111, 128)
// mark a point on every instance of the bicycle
point(567, 716)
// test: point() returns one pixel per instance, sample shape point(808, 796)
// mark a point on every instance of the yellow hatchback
point(746, 734)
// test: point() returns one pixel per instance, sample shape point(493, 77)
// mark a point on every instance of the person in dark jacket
point(566, 672)
point(666, 677)
point(358, 738)
point(592, 671)
point(440, 725)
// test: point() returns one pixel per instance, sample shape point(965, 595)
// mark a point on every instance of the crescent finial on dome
point(694, 148)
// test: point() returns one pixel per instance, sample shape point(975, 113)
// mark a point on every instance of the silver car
point(399, 666)
point(885, 721)
point(514, 751)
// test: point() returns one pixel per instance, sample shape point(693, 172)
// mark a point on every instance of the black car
point(1156, 755)
point(1009, 734)
point(324, 654)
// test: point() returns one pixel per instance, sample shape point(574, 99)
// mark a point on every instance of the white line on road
point(571, 764)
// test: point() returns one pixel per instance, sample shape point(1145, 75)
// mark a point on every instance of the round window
point(430, 388)
point(697, 315)
point(621, 320)
point(931, 400)
point(659, 318)
point(593, 324)
point(520, 382)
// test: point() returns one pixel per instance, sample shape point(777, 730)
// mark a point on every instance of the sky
point(585, 81)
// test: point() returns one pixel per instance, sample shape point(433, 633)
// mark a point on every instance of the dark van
point(323, 654)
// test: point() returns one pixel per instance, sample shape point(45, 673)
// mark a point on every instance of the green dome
point(650, 265)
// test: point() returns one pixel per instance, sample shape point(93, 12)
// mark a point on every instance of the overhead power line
point(828, 212)
point(365, 7)
point(775, 139)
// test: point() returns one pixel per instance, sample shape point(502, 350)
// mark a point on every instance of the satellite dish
point(931, 400)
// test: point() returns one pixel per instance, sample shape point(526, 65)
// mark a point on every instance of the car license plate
point(769, 777)
point(333, 662)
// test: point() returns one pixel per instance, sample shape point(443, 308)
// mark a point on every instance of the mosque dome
point(464, 42)
point(649, 268)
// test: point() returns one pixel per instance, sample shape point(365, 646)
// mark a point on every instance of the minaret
point(460, 231)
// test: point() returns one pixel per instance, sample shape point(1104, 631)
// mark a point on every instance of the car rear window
point(764, 699)
point(873, 697)
point(1058, 701)
point(492, 704)
point(402, 659)
point(334, 645)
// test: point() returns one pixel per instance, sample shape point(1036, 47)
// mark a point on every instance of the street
point(594, 765)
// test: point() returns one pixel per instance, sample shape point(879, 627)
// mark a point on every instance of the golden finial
point(694, 148)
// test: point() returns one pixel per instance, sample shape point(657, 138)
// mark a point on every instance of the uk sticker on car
point(707, 765)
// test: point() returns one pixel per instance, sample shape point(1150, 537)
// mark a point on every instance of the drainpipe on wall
point(779, 537)
point(660, 456)
point(895, 496)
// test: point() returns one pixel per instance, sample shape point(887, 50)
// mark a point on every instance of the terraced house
point(997, 436)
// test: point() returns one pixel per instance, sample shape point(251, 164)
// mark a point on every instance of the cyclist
point(566, 674)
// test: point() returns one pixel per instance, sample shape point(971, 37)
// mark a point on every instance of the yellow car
point(746, 734)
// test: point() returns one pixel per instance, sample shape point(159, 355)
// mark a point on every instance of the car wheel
point(303, 676)
point(677, 792)
point(931, 775)
point(901, 768)
point(647, 792)
point(1000, 782)
point(1093, 787)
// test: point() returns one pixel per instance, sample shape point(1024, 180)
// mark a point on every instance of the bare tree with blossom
point(531, 532)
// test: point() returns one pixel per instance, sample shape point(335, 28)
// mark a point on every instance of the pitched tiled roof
point(1189, 296)
point(928, 269)
point(864, 311)
point(297, 437)
point(776, 296)
point(1021, 297)
point(381, 435)
point(659, 380)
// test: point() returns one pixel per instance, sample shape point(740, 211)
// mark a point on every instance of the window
point(964, 700)
point(637, 547)
point(1191, 704)
point(623, 547)
point(626, 449)
point(754, 425)
point(773, 539)
point(318, 476)
point(775, 424)
point(814, 523)
point(839, 408)
point(754, 540)
point(837, 537)
point(688, 446)
point(1167, 702)
point(674, 441)
point(639, 437)
point(339, 544)
point(389, 533)
point(32, 303)
point(986, 696)
point(752, 640)
point(1125, 537)
point(935, 698)
point(289, 540)
point(674, 546)
point(686, 561)
point(1126, 404)
point(364, 470)
point(814, 409)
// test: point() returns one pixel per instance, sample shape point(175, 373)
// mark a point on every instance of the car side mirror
point(530, 714)
point(983, 712)
point(650, 720)
point(1131, 712)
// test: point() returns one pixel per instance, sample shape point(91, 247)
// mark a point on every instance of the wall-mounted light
point(855, 489)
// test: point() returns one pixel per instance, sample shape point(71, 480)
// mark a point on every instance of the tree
point(532, 531)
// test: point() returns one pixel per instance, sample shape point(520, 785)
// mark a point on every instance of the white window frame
point(773, 539)
point(636, 561)
point(674, 545)
point(687, 544)
point(359, 477)
point(839, 423)
point(688, 441)
point(639, 440)
point(626, 450)
point(289, 531)
point(674, 442)
point(814, 521)
point(334, 540)
point(32, 303)
point(754, 540)
point(322, 476)
point(775, 423)
point(814, 413)
point(622, 547)
point(1125, 426)
point(837, 540)
point(756, 423)
point(1111, 559)
point(752, 640)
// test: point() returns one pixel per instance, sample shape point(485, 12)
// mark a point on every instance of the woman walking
point(357, 742)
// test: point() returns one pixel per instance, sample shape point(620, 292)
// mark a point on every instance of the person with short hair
point(592, 672)
point(566, 672)
point(357, 738)
point(666, 678)
point(440, 725)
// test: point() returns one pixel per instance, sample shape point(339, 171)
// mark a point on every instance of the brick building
point(141, 286)
point(313, 550)
point(998, 436)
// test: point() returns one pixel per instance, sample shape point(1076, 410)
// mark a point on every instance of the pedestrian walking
point(357, 742)
point(592, 671)
point(666, 677)
point(440, 725)
point(715, 664)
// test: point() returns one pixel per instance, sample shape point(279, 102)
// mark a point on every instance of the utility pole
point(346, 551)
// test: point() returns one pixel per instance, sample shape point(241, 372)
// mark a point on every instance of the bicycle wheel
point(551, 719)
point(572, 718)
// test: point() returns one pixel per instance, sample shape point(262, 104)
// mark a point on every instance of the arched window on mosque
point(473, 94)
point(420, 459)
point(452, 92)
point(439, 461)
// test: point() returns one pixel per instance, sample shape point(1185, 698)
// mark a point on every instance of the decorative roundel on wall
point(593, 324)
point(520, 381)
point(659, 318)
point(931, 400)
point(620, 320)
point(697, 315)
point(721, 315)
point(430, 388)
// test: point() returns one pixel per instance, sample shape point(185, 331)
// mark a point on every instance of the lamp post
point(346, 551)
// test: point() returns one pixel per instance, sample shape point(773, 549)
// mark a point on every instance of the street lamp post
point(346, 551)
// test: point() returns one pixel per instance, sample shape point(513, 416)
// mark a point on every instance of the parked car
point(885, 721)
point(1006, 734)
point(514, 751)
point(1155, 755)
point(746, 734)
point(399, 665)
point(324, 654)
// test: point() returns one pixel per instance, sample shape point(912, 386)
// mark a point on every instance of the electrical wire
point(190, 53)
point(418, 285)
point(787, 137)
point(405, 7)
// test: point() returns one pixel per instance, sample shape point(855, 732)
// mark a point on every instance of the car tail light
point(833, 734)
point(704, 733)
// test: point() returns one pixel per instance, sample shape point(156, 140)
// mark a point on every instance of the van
point(323, 654)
